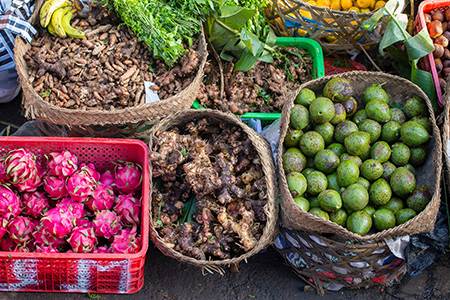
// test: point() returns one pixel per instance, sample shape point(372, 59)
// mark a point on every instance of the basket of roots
point(333, 262)
point(335, 25)
point(213, 199)
point(363, 160)
point(86, 69)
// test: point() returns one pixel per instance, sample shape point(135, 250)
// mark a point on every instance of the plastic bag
point(9, 85)
point(40, 128)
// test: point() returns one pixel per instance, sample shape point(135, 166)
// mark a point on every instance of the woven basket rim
point(271, 208)
point(399, 230)
point(36, 106)
point(338, 12)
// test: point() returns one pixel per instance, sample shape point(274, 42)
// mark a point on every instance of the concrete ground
point(264, 276)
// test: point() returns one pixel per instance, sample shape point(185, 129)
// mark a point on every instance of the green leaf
point(392, 6)
point(395, 32)
point(252, 42)
point(266, 57)
point(419, 45)
point(271, 38)
point(235, 46)
point(425, 81)
point(246, 61)
point(235, 16)
point(188, 210)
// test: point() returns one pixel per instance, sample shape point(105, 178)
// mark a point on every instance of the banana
point(70, 31)
point(48, 8)
point(51, 29)
point(56, 20)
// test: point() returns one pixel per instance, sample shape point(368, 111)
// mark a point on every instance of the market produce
point(440, 35)
point(365, 178)
point(210, 193)
point(264, 88)
point(77, 214)
point(104, 70)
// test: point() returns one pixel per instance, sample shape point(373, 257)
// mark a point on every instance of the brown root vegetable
point(427, 18)
point(446, 34)
point(438, 51)
point(438, 15)
point(441, 40)
point(438, 63)
point(447, 14)
point(446, 55)
point(443, 83)
point(435, 28)
point(445, 72)
point(446, 63)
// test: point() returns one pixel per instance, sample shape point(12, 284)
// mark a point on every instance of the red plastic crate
point(80, 272)
point(427, 63)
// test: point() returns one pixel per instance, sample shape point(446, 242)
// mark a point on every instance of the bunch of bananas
point(56, 16)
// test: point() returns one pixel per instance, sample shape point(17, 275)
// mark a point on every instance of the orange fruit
point(379, 4)
point(336, 5)
point(354, 8)
point(363, 3)
point(346, 4)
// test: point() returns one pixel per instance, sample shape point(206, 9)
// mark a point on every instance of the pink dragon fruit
point(128, 208)
point(128, 177)
point(23, 248)
point(7, 244)
point(102, 249)
point(126, 241)
point(35, 204)
point(19, 165)
point(107, 178)
point(76, 208)
point(4, 177)
point(45, 249)
point(61, 164)
point(58, 221)
point(3, 227)
point(35, 181)
point(106, 224)
point(85, 223)
point(10, 205)
point(82, 183)
point(43, 238)
point(82, 239)
point(102, 198)
point(55, 187)
point(20, 229)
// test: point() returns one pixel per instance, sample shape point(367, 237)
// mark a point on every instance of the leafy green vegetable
point(163, 25)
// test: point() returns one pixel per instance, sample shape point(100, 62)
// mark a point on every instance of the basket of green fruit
point(360, 157)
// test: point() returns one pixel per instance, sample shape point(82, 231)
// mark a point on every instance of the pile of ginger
point(216, 168)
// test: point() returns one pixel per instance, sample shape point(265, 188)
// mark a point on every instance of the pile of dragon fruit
point(58, 205)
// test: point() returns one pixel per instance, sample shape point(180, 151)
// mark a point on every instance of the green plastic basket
point(313, 48)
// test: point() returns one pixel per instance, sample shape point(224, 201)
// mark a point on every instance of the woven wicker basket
point(334, 263)
point(335, 31)
point(446, 134)
point(271, 209)
point(429, 173)
point(36, 107)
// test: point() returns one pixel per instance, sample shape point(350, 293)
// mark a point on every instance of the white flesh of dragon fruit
point(128, 177)
point(128, 208)
point(82, 239)
point(20, 229)
point(126, 241)
point(55, 187)
point(106, 224)
point(58, 221)
point(35, 204)
point(82, 183)
point(10, 204)
point(19, 165)
point(76, 208)
point(102, 198)
point(61, 164)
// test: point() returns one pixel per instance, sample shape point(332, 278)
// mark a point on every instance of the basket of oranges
point(335, 24)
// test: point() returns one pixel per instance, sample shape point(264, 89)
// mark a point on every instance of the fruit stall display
point(75, 208)
point(214, 200)
point(363, 155)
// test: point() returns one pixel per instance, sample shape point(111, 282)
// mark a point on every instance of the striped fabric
point(13, 16)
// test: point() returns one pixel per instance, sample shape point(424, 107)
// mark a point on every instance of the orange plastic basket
point(80, 272)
